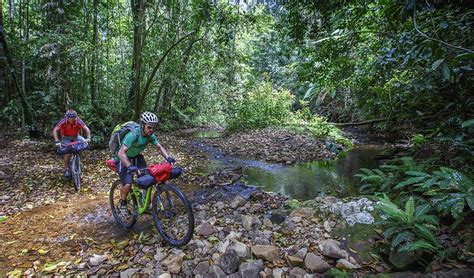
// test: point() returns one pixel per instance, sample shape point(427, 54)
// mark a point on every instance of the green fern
point(409, 229)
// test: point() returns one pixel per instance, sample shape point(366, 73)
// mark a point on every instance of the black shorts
point(125, 177)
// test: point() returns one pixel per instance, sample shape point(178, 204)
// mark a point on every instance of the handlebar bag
point(160, 171)
point(145, 181)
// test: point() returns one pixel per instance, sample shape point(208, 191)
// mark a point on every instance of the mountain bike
point(171, 210)
point(75, 165)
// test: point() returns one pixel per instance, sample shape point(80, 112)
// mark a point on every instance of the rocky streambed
point(241, 231)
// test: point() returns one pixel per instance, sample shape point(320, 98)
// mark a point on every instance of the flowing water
point(302, 181)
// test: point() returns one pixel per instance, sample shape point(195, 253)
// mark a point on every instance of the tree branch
point(158, 64)
point(433, 39)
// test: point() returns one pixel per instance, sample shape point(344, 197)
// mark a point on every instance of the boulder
point(330, 248)
point(315, 263)
point(251, 269)
point(266, 252)
point(229, 261)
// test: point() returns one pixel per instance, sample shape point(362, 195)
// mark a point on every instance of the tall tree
point(28, 113)
point(93, 74)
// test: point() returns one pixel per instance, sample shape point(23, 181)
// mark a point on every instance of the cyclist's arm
point(162, 151)
point(122, 155)
point(55, 133)
point(87, 131)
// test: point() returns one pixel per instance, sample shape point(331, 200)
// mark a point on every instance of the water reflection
point(302, 181)
point(308, 180)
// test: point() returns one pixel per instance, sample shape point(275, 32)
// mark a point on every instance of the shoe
point(67, 174)
point(123, 211)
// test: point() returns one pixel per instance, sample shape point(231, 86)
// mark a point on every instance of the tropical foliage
point(411, 229)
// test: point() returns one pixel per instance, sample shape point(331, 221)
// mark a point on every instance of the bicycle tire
point(76, 172)
point(170, 196)
point(114, 198)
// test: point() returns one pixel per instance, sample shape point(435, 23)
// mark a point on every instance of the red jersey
point(68, 129)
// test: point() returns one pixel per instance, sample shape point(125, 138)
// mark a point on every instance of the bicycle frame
point(143, 203)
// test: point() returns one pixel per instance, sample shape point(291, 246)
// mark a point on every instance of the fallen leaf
point(3, 218)
point(15, 273)
point(43, 252)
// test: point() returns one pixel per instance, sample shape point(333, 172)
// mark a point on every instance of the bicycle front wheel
point(125, 217)
point(76, 172)
point(173, 215)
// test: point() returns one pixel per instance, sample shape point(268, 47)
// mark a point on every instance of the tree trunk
point(95, 42)
point(26, 33)
point(138, 11)
point(16, 88)
point(11, 15)
point(141, 100)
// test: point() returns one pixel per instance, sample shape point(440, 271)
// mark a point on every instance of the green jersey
point(137, 145)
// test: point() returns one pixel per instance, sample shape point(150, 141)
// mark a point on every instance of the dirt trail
point(64, 230)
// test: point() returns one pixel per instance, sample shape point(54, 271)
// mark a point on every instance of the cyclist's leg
point(81, 139)
point(67, 157)
point(140, 161)
point(126, 179)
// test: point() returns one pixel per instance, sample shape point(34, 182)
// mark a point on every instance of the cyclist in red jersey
point(69, 128)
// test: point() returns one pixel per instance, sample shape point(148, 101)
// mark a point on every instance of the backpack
point(119, 133)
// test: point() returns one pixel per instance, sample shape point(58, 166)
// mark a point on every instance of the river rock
point(330, 248)
point(206, 229)
point(356, 211)
point(219, 206)
point(240, 248)
point(277, 273)
point(251, 269)
point(229, 261)
point(327, 227)
point(315, 263)
point(297, 272)
point(402, 259)
point(173, 263)
point(266, 252)
point(301, 253)
point(294, 261)
point(164, 275)
point(267, 223)
point(237, 202)
point(128, 273)
point(215, 272)
point(97, 259)
point(251, 222)
point(202, 268)
point(345, 265)
point(223, 246)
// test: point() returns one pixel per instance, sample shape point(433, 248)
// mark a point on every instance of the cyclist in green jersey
point(129, 157)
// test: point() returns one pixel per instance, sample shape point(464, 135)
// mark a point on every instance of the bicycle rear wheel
point(126, 221)
point(76, 171)
point(173, 215)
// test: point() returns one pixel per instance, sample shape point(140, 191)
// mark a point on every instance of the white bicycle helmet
point(148, 118)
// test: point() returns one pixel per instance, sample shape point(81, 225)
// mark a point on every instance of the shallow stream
point(302, 181)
